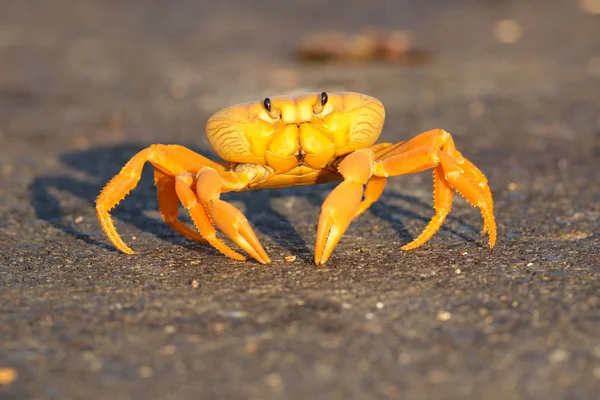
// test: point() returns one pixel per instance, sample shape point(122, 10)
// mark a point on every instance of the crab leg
point(433, 149)
point(443, 140)
point(114, 192)
point(229, 219)
point(343, 203)
point(373, 192)
point(376, 184)
point(183, 185)
point(430, 150)
point(442, 202)
point(169, 159)
point(481, 180)
point(168, 205)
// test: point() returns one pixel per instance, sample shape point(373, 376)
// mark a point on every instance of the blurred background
point(187, 59)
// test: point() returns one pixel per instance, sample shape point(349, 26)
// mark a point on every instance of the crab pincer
point(229, 219)
point(342, 204)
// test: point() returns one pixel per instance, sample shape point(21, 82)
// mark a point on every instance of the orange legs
point(183, 186)
point(432, 149)
point(115, 191)
point(168, 205)
point(183, 176)
point(228, 218)
point(344, 202)
point(174, 175)
point(435, 149)
point(442, 202)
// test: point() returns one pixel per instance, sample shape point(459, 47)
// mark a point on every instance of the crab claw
point(337, 212)
point(229, 219)
point(235, 225)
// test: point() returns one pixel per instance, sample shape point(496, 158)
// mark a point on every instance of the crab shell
point(297, 129)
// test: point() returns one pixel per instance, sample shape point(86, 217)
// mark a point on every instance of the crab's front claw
point(337, 212)
point(235, 225)
point(228, 218)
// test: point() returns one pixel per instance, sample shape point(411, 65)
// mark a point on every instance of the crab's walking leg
point(479, 178)
point(442, 202)
point(228, 218)
point(169, 159)
point(373, 192)
point(183, 186)
point(114, 192)
point(343, 203)
point(430, 150)
point(376, 184)
point(473, 191)
point(168, 205)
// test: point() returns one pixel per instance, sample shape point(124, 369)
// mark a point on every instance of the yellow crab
point(307, 139)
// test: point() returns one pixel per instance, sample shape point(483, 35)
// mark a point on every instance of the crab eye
point(320, 104)
point(267, 104)
point(324, 98)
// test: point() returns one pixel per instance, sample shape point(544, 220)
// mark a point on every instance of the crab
point(306, 139)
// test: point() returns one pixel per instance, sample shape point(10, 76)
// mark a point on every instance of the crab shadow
point(97, 166)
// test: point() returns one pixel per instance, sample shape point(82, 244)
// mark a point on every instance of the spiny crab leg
point(373, 192)
point(442, 202)
point(168, 205)
point(168, 161)
point(183, 186)
point(228, 218)
point(434, 149)
point(342, 204)
point(115, 191)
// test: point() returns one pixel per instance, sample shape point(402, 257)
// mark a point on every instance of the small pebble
point(169, 329)
point(404, 358)
point(324, 371)
point(558, 356)
point(195, 284)
point(178, 88)
point(507, 31)
point(193, 338)
point(274, 381)
point(237, 314)
point(444, 316)
point(290, 258)
point(218, 327)
point(251, 348)
point(476, 108)
point(379, 305)
point(364, 365)
point(79, 220)
point(145, 372)
point(168, 350)
point(7, 375)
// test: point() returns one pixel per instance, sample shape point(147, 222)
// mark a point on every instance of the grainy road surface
point(86, 84)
